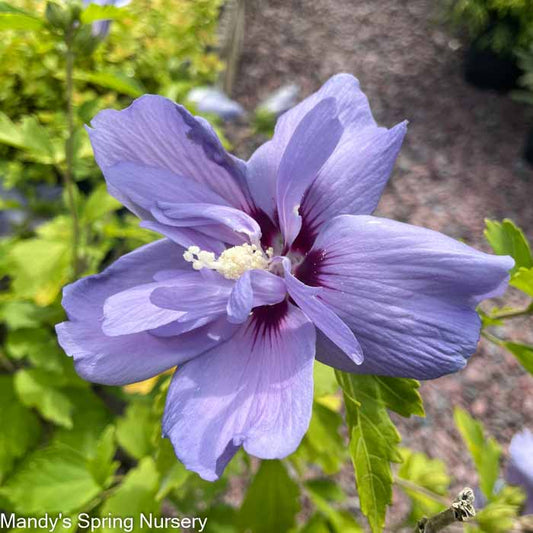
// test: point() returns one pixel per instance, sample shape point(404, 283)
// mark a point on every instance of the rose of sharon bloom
point(100, 28)
point(520, 467)
point(264, 265)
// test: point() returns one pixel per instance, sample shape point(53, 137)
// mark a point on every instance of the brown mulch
point(460, 164)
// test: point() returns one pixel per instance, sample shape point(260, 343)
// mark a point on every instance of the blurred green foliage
point(504, 26)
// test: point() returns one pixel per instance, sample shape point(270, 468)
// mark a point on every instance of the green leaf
point(90, 417)
point(499, 515)
point(373, 438)
point(19, 314)
point(54, 480)
point(506, 238)
point(135, 495)
point(19, 427)
point(485, 452)
point(523, 280)
point(40, 268)
point(99, 204)
point(95, 12)
point(323, 444)
point(36, 388)
point(41, 348)
point(522, 352)
point(428, 474)
point(401, 395)
point(271, 502)
point(115, 81)
point(324, 380)
point(326, 495)
point(29, 136)
point(101, 465)
point(18, 21)
point(135, 431)
point(172, 472)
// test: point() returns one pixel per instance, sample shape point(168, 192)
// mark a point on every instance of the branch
point(460, 510)
point(68, 176)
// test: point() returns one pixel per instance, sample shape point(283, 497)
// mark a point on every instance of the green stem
point(460, 510)
point(513, 314)
point(492, 338)
point(68, 175)
point(409, 485)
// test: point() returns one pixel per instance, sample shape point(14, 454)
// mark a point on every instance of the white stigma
point(232, 262)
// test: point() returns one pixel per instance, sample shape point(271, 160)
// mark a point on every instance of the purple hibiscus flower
point(520, 467)
point(100, 28)
point(264, 265)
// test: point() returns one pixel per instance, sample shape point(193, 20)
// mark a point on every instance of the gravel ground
point(459, 164)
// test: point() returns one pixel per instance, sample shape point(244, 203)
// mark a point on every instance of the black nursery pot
point(485, 69)
point(528, 148)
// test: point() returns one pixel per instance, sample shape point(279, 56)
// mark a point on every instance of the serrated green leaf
point(522, 352)
point(523, 280)
point(101, 464)
point(18, 21)
point(373, 441)
point(135, 495)
point(271, 501)
point(430, 475)
point(485, 452)
point(54, 479)
point(19, 427)
point(36, 388)
point(135, 430)
point(401, 395)
point(95, 12)
point(99, 204)
point(506, 238)
point(29, 136)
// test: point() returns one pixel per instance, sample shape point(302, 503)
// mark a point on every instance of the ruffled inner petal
point(132, 357)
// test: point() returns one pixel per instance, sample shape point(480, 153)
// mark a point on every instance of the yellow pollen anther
point(232, 262)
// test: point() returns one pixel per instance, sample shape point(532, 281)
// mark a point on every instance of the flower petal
point(139, 187)
point(127, 358)
point(132, 311)
point(219, 222)
point(520, 467)
point(323, 317)
point(196, 298)
point(409, 294)
point(256, 390)
point(185, 237)
point(352, 180)
point(310, 146)
point(155, 132)
point(354, 113)
point(253, 289)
